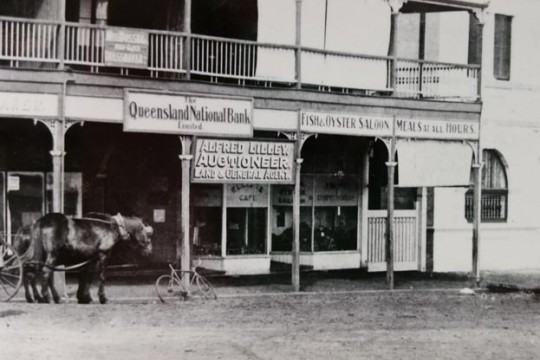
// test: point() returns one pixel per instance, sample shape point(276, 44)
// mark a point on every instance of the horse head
point(133, 229)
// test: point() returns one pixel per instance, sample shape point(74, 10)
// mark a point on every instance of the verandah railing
point(36, 41)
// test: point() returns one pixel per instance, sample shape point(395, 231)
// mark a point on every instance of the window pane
point(502, 47)
point(335, 228)
point(282, 228)
point(246, 231)
point(207, 230)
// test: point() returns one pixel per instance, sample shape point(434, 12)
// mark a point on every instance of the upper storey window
point(503, 42)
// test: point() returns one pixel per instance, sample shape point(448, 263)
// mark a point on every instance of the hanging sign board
point(14, 183)
point(335, 191)
point(243, 161)
point(377, 126)
point(187, 114)
point(283, 195)
point(246, 195)
point(126, 48)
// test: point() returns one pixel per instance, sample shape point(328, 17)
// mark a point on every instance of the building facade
point(277, 131)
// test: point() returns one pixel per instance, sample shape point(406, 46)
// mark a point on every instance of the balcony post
point(395, 6)
point(187, 41)
point(61, 34)
point(480, 16)
point(298, 58)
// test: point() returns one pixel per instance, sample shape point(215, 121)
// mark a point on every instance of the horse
point(59, 240)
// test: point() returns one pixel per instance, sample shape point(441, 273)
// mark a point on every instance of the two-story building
point(244, 125)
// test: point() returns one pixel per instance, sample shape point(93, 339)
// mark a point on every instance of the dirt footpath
point(374, 325)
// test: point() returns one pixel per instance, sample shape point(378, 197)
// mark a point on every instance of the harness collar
point(119, 220)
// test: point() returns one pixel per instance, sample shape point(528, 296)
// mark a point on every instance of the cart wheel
point(11, 272)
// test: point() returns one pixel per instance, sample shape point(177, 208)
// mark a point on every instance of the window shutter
point(502, 53)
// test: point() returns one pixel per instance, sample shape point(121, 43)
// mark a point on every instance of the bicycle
point(170, 287)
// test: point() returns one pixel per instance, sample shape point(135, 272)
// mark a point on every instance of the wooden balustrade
point(221, 59)
point(405, 238)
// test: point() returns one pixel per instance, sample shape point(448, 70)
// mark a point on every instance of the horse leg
point(83, 291)
point(33, 279)
point(101, 272)
point(45, 280)
point(27, 281)
point(48, 280)
point(55, 295)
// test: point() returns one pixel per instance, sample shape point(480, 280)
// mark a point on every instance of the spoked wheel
point(205, 288)
point(169, 290)
point(11, 271)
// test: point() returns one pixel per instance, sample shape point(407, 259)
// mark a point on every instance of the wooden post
point(395, 6)
point(61, 33)
point(298, 42)
point(296, 222)
point(186, 158)
point(391, 165)
point(479, 48)
point(477, 216)
point(187, 43)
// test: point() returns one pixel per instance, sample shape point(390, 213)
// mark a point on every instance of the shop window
point(247, 218)
point(494, 203)
point(207, 231)
point(502, 47)
point(207, 219)
point(328, 214)
point(335, 228)
point(246, 231)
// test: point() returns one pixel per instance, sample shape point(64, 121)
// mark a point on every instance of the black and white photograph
point(269, 179)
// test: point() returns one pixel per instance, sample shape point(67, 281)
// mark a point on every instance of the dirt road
point(379, 325)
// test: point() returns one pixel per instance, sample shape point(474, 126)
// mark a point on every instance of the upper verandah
point(349, 46)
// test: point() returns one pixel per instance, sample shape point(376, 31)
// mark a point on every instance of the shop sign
point(14, 183)
point(437, 129)
point(126, 48)
point(28, 104)
point(345, 124)
point(243, 161)
point(283, 195)
point(334, 191)
point(373, 126)
point(187, 114)
point(246, 195)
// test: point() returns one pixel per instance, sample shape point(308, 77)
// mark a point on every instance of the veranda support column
point(185, 253)
point(477, 216)
point(390, 226)
point(296, 227)
point(187, 43)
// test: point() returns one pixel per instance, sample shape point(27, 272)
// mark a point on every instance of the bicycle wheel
point(205, 288)
point(11, 270)
point(169, 289)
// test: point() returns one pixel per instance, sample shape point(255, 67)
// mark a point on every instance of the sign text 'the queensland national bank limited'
point(187, 114)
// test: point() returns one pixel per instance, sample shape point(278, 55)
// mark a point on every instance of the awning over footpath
point(433, 163)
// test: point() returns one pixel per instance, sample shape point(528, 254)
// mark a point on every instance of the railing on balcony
point(493, 205)
point(28, 40)
point(221, 59)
